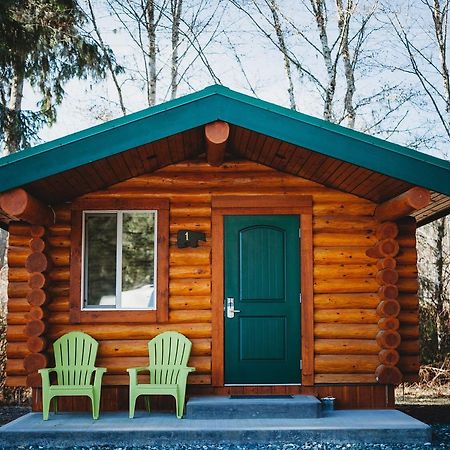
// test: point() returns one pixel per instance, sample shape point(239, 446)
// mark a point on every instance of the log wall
point(345, 284)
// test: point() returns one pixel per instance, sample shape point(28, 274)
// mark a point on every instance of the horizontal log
point(124, 380)
point(63, 213)
point(190, 316)
point(388, 323)
point(411, 347)
point(408, 285)
point(58, 289)
point(409, 317)
point(388, 292)
point(407, 256)
point(388, 308)
point(15, 367)
point(190, 209)
point(187, 287)
point(37, 297)
point(403, 205)
point(38, 231)
point(345, 224)
point(409, 364)
point(190, 302)
point(16, 381)
point(59, 229)
point(344, 378)
point(386, 263)
point(134, 331)
point(59, 274)
point(191, 223)
point(38, 262)
point(118, 365)
point(18, 290)
point(20, 204)
point(17, 256)
point(37, 280)
point(36, 344)
point(408, 240)
point(35, 361)
point(407, 271)
point(18, 274)
point(350, 208)
point(386, 276)
point(58, 304)
point(346, 346)
point(337, 255)
point(386, 230)
point(345, 363)
point(345, 331)
point(59, 318)
point(16, 318)
point(383, 249)
point(388, 357)
point(408, 302)
point(356, 316)
point(59, 241)
point(138, 347)
point(388, 339)
point(16, 333)
point(341, 240)
point(34, 379)
point(60, 257)
point(19, 229)
point(388, 375)
point(182, 272)
point(353, 285)
point(199, 256)
point(409, 331)
point(345, 301)
point(35, 328)
point(18, 305)
point(15, 350)
point(344, 271)
point(18, 240)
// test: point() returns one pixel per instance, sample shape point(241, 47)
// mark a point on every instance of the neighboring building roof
point(367, 166)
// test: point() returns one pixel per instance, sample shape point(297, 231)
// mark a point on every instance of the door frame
point(294, 204)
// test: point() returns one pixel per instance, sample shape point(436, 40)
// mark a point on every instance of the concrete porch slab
point(114, 428)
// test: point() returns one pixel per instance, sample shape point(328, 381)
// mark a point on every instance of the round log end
point(34, 328)
point(34, 379)
point(389, 247)
point(34, 362)
point(386, 263)
point(386, 230)
point(386, 276)
point(419, 197)
point(388, 357)
point(36, 344)
point(388, 292)
point(388, 323)
point(36, 280)
point(217, 132)
point(14, 202)
point(37, 244)
point(388, 375)
point(37, 297)
point(388, 308)
point(37, 231)
point(37, 262)
point(388, 339)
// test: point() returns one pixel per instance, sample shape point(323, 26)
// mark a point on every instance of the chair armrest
point(45, 375)
point(133, 372)
point(99, 371)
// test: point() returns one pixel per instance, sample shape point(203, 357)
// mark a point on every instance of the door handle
point(230, 308)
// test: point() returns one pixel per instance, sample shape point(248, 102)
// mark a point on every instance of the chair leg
point(179, 404)
point(132, 405)
point(147, 402)
point(55, 404)
point(45, 405)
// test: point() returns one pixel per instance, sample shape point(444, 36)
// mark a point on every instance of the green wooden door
point(262, 277)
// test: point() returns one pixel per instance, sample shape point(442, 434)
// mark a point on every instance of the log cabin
point(281, 245)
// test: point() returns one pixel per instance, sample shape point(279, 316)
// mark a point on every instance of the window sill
point(110, 316)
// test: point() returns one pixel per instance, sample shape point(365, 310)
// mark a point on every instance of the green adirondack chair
point(75, 354)
point(169, 353)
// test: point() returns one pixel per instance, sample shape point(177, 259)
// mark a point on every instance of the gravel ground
point(437, 416)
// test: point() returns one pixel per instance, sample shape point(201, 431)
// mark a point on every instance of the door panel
point(262, 275)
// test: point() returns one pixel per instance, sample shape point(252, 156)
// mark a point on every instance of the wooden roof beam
point(20, 205)
point(216, 134)
point(403, 205)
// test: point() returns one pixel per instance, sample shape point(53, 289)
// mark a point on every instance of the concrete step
point(254, 407)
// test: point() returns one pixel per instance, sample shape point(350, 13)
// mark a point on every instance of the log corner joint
point(216, 135)
point(20, 205)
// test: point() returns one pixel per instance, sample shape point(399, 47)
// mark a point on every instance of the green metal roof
point(220, 103)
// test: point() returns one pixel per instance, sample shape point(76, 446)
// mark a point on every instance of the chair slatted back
point(168, 352)
point(75, 355)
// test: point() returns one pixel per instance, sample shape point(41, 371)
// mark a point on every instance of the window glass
point(100, 259)
point(119, 260)
point(138, 256)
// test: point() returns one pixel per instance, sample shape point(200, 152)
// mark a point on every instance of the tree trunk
point(12, 138)
point(176, 7)
point(151, 33)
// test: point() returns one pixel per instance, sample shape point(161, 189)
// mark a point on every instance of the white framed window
point(119, 260)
